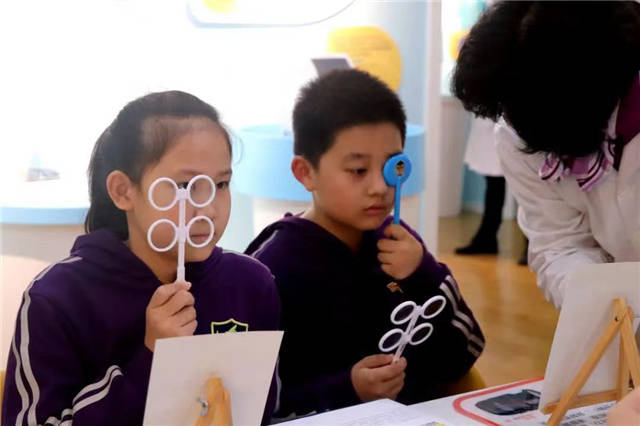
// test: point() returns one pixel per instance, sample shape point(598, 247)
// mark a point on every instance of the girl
point(87, 326)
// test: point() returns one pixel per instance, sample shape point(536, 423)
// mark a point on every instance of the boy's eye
point(222, 185)
point(358, 172)
point(182, 185)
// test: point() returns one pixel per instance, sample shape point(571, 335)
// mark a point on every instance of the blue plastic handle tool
point(396, 171)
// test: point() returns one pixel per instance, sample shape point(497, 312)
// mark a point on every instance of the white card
point(181, 366)
point(382, 412)
point(586, 312)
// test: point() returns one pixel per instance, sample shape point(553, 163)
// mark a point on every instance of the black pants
point(493, 204)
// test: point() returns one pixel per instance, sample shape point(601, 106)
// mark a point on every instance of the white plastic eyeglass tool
point(410, 312)
point(199, 192)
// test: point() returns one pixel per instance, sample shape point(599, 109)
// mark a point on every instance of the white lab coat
point(566, 226)
point(480, 154)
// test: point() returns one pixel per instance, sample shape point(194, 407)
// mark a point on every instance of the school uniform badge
point(228, 326)
point(393, 287)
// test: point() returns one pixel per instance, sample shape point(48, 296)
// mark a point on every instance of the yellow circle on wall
point(371, 49)
point(455, 42)
point(220, 6)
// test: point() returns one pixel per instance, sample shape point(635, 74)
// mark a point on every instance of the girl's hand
point(400, 253)
point(170, 313)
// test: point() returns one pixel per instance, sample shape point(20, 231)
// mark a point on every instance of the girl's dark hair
point(554, 69)
point(135, 140)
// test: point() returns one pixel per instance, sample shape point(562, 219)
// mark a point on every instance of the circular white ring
point(213, 190)
point(208, 240)
point(423, 310)
point(150, 232)
point(386, 336)
point(400, 307)
point(153, 186)
point(418, 328)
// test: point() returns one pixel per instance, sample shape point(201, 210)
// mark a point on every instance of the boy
point(341, 267)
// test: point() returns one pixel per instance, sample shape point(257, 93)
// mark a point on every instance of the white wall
point(73, 64)
point(70, 65)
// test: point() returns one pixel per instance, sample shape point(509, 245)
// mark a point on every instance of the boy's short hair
point(336, 101)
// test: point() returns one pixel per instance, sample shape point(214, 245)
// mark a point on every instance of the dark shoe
point(479, 247)
point(524, 260)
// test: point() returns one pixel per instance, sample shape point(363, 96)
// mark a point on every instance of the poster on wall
point(251, 13)
point(371, 49)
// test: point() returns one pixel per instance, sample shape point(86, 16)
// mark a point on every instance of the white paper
point(376, 413)
point(181, 366)
point(586, 311)
point(463, 409)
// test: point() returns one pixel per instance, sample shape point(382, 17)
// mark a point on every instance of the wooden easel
point(629, 366)
point(218, 405)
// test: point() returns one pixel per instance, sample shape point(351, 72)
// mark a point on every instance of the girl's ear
point(304, 172)
point(121, 190)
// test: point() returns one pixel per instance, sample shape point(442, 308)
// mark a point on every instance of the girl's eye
point(222, 185)
point(182, 185)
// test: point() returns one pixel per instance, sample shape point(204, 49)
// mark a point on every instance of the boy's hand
point(377, 376)
point(170, 313)
point(400, 253)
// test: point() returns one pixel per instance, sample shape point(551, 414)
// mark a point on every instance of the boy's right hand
point(170, 313)
point(377, 376)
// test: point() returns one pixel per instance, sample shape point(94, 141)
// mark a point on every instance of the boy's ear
point(303, 172)
point(121, 190)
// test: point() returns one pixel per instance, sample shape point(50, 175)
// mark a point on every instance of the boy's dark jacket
point(336, 306)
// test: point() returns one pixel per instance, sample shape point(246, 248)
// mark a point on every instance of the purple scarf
point(588, 170)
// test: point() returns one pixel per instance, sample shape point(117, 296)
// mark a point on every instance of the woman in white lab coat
point(563, 79)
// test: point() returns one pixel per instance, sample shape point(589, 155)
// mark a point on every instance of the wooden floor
point(517, 321)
